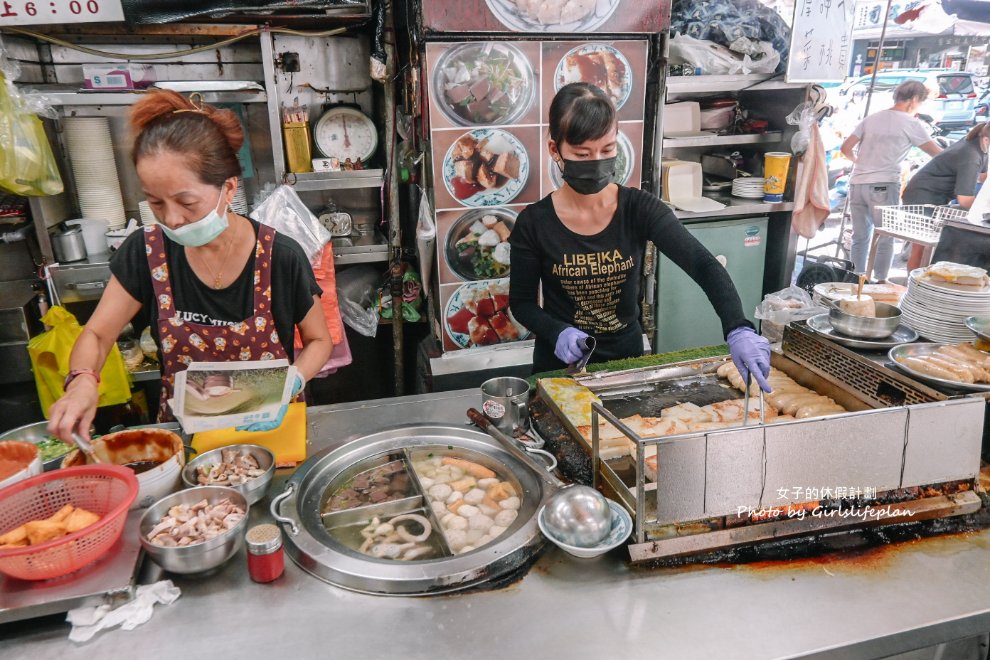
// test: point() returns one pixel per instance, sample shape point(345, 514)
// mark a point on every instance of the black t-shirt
point(592, 282)
point(949, 174)
point(293, 287)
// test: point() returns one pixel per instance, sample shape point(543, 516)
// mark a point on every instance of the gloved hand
point(751, 354)
point(568, 349)
point(297, 386)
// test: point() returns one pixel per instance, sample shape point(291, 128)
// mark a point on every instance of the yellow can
point(775, 164)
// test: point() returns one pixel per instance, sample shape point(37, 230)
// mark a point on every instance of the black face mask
point(588, 176)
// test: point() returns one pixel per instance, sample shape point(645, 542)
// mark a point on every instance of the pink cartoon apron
point(183, 342)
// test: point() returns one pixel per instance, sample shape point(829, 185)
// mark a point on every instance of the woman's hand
point(75, 410)
point(751, 354)
point(569, 348)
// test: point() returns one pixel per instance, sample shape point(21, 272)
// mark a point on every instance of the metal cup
point(505, 402)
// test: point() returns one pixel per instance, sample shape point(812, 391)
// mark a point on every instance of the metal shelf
point(749, 82)
point(337, 180)
point(360, 254)
point(714, 140)
point(736, 206)
point(68, 95)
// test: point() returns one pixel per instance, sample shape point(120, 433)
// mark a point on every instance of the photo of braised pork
point(600, 65)
point(485, 164)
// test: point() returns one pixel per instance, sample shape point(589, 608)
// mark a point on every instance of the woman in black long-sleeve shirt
point(586, 241)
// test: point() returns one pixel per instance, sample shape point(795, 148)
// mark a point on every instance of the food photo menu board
point(546, 16)
point(488, 128)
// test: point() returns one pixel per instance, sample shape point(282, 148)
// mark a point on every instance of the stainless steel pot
point(68, 244)
point(884, 324)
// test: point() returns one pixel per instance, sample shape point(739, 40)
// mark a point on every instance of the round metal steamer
point(309, 543)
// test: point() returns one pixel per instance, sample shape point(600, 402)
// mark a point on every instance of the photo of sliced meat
point(477, 314)
point(598, 64)
point(483, 84)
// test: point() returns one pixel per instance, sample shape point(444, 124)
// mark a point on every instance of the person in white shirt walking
point(876, 148)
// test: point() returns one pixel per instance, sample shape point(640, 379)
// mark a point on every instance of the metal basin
point(318, 547)
point(34, 433)
point(867, 327)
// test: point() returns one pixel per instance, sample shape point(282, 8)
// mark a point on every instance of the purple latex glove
point(568, 349)
point(751, 354)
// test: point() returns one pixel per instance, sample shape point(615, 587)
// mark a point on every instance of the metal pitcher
point(505, 401)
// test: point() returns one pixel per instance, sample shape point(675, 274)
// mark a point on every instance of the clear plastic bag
point(357, 289)
point(27, 164)
point(803, 116)
point(781, 307)
point(284, 211)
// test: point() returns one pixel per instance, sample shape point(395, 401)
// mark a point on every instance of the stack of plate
point(939, 312)
point(750, 187)
point(94, 170)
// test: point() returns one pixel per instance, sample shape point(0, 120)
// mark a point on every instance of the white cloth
point(87, 621)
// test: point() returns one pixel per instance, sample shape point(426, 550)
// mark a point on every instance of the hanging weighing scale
point(344, 131)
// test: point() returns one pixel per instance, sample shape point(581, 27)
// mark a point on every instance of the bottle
point(265, 554)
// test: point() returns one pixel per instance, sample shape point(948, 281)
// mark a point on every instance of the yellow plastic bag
point(27, 165)
point(50, 352)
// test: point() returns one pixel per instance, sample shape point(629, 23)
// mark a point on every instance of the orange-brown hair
point(979, 131)
point(208, 137)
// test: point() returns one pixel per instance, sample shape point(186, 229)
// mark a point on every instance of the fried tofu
point(507, 165)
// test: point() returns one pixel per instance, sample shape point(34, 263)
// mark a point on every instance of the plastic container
point(106, 490)
point(94, 236)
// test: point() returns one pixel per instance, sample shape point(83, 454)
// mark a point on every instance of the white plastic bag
point(803, 116)
point(426, 239)
point(781, 307)
point(284, 211)
point(710, 57)
point(758, 56)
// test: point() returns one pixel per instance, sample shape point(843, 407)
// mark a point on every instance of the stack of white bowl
point(239, 204)
point(147, 215)
point(94, 170)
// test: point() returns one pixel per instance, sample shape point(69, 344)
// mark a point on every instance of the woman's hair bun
point(164, 104)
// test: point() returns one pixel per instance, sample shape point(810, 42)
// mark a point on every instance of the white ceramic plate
point(464, 293)
point(619, 96)
point(507, 12)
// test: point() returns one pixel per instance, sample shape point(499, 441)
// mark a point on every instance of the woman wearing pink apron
point(212, 285)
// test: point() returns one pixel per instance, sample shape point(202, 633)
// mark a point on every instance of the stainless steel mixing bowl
point(578, 515)
point(199, 557)
point(867, 327)
point(254, 489)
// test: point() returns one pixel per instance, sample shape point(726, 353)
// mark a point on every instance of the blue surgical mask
point(201, 232)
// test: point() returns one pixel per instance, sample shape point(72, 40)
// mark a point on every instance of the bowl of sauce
point(155, 455)
point(18, 461)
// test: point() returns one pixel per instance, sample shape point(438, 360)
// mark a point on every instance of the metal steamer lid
point(311, 545)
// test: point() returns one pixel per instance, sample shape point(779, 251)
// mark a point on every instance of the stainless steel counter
point(864, 604)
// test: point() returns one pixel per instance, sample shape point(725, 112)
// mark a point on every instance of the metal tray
point(823, 326)
point(921, 350)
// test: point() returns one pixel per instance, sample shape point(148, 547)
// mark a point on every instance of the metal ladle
point(86, 448)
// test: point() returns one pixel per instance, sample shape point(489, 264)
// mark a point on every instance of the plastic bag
point(758, 56)
point(803, 116)
point(356, 289)
point(50, 353)
point(426, 239)
point(708, 56)
point(27, 165)
point(284, 211)
point(724, 22)
point(326, 277)
point(781, 307)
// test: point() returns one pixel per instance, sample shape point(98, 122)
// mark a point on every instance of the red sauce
point(15, 455)
point(458, 322)
point(464, 189)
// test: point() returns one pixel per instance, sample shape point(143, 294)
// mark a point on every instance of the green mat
point(644, 361)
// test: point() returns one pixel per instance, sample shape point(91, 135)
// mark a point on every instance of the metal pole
point(391, 198)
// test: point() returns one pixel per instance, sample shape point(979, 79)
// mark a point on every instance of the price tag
point(43, 12)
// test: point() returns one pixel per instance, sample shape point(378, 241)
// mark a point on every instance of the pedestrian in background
point(876, 148)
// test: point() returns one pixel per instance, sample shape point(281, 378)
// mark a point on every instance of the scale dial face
point(344, 133)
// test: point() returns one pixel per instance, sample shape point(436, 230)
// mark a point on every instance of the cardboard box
point(118, 76)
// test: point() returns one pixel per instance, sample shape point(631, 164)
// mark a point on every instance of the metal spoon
point(86, 448)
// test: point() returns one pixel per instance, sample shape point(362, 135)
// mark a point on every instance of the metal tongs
point(85, 447)
point(587, 345)
point(749, 380)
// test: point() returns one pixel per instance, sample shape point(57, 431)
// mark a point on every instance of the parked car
point(953, 107)
point(982, 107)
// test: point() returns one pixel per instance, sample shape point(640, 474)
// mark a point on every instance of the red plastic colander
point(106, 490)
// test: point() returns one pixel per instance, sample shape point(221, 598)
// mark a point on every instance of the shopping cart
point(914, 223)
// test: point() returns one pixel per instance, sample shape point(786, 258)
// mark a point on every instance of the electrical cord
point(178, 53)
